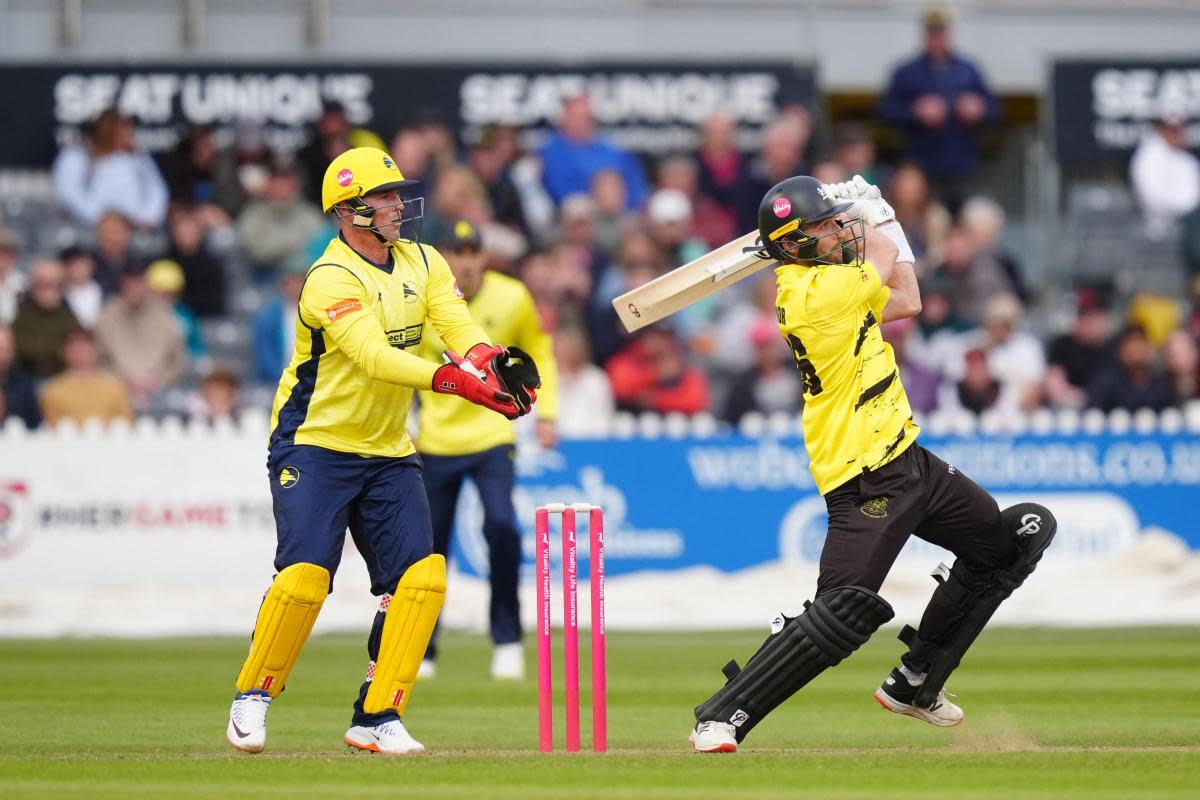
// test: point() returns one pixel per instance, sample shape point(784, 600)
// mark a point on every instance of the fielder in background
point(846, 267)
point(457, 440)
point(340, 456)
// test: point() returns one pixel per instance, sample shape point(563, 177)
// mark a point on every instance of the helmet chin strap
point(362, 216)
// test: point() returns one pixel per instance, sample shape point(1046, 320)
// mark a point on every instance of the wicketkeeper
point(847, 267)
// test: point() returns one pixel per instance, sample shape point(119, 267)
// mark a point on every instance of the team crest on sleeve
point(343, 307)
point(876, 507)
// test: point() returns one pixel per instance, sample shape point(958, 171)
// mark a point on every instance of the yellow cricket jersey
point(349, 385)
point(856, 414)
point(451, 426)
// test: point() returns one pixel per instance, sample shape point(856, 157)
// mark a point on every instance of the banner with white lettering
point(1102, 108)
point(649, 108)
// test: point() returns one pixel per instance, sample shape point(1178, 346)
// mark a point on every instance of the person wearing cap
point(458, 440)
point(340, 456)
point(43, 320)
point(166, 281)
point(139, 338)
point(1164, 173)
point(940, 100)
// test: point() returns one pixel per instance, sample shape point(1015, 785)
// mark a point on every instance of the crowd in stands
point(175, 290)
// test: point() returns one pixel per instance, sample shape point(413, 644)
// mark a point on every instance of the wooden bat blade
point(713, 271)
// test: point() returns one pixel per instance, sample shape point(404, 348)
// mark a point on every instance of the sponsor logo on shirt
point(343, 307)
point(405, 337)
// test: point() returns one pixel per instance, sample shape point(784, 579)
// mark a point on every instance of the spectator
point(203, 175)
point(651, 373)
point(108, 173)
point(140, 339)
point(166, 281)
point(491, 158)
point(731, 348)
point(720, 162)
point(84, 391)
point(780, 155)
point(940, 343)
point(638, 261)
point(940, 100)
point(412, 152)
point(332, 135)
point(921, 384)
point(280, 224)
point(114, 250)
point(925, 220)
point(1165, 176)
point(970, 282)
point(12, 280)
point(669, 218)
point(1182, 362)
point(769, 384)
point(710, 222)
point(828, 171)
point(983, 222)
point(43, 321)
point(459, 194)
point(15, 385)
point(575, 153)
point(577, 229)
point(83, 293)
point(1133, 382)
point(274, 325)
point(854, 151)
point(1015, 356)
point(218, 398)
point(1076, 357)
point(585, 401)
point(978, 390)
point(205, 286)
point(612, 219)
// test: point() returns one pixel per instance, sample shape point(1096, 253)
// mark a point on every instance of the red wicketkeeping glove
point(463, 378)
point(510, 369)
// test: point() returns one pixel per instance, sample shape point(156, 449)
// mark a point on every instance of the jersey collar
point(387, 266)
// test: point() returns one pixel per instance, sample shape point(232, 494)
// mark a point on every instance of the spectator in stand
point(82, 292)
point(459, 194)
point(166, 281)
point(982, 220)
point(921, 384)
point(413, 154)
point(332, 135)
point(638, 261)
point(924, 219)
point(977, 390)
point(12, 280)
point(274, 324)
point(854, 151)
point(1133, 382)
point(940, 100)
point(84, 391)
point(721, 163)
point(491, 159)
point(743, 312)
point(829, 171)
point(770, 383)
point(669, 219)
point(217, 399)
point(109, 173)
point(114, 250)
point(1182, 362)
point(780, 155)
point(585, 400)
point(15, 385)
point(1164, 174)
point(574, 154)
point(203, 175)
point(205, 286)
point(710, 223)
point(279, 226)
point(940, 342)
point(140, 339)
point(577, 229)
point(970, 282)
point(1076, 357)
point(432, 125)
point(651, 373)
point(43, 321)
point(1015, 356)
point(612, 220)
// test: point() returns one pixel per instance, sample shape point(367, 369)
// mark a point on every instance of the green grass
point(1050, 713)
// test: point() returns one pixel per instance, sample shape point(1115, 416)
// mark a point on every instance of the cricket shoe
point(427, 670)
point(389, 737)
point(508, 662)
point(714, 737)
point(247, 730)
point(896, 695)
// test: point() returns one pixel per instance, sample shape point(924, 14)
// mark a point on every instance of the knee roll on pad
point(832, 627)
point(407, 628)
point(284, 622)
point(978, 594)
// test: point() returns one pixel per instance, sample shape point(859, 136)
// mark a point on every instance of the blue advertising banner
point(733, 502)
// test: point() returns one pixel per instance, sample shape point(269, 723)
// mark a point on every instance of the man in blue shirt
point(940, 100)
point(574, 154)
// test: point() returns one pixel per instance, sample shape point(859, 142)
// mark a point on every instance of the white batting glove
point(868, 203)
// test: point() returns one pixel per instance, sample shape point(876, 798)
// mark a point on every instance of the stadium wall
point(164, 529)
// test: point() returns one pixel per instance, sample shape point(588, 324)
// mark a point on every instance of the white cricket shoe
point(247, 729)
point(390, 737)
point(896, 695)
point(714, 737)
point(508, 662)
point(427, 670)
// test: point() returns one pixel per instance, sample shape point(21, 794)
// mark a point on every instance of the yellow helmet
point(362, 170)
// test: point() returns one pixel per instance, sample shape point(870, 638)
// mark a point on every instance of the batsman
point(845, 267)
point(340, 456)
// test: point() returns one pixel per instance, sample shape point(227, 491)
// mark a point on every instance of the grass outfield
point(1050, 713)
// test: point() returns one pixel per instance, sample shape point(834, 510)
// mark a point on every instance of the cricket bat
point(694, 281)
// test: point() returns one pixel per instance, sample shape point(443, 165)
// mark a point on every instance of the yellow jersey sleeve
point(335, 300)
point(447, 309)
point(533, 339)
point(842, 290)
point(880, 301)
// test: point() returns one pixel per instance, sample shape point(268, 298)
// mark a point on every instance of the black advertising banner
point(1101, 108)
point(650, 108)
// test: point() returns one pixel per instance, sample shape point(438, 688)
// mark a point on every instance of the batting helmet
point(789, 207)
point(359, 172)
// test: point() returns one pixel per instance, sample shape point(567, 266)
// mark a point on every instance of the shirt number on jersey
point(812, 384)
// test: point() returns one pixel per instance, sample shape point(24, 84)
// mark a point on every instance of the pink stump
point(599, 678)
point(571, 627)
point(545, 698)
